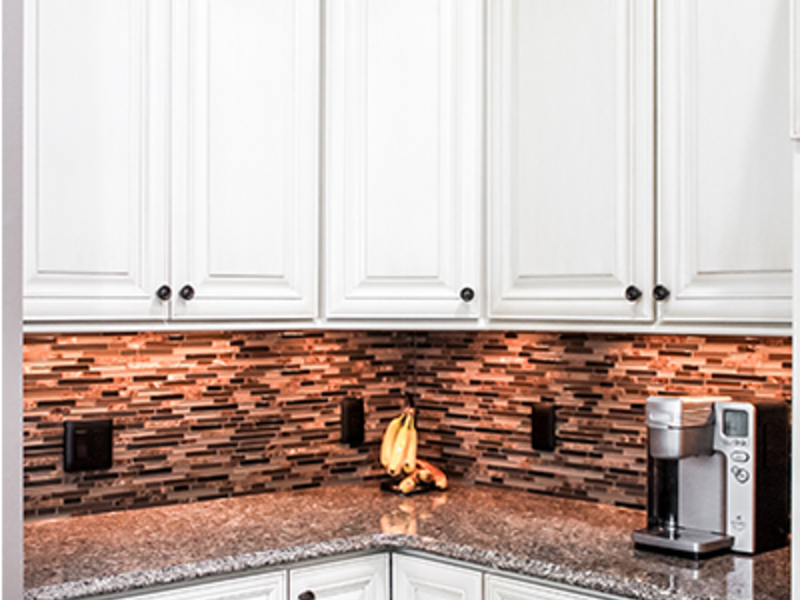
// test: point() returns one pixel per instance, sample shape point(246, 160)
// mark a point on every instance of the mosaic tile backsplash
point(201, 415)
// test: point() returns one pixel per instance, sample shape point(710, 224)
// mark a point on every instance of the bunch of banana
point(399, 448)
point(399, 455)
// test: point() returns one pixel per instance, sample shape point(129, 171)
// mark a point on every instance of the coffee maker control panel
point(734, 436)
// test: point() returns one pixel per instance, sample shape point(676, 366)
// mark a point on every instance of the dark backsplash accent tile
point(200, 415)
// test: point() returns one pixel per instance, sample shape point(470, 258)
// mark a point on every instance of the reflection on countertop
point(565, 541)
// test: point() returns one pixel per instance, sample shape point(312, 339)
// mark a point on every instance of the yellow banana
point(398, 455)
point(389, 437)
point(410, 462)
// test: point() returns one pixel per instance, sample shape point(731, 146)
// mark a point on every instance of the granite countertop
point(564, 541)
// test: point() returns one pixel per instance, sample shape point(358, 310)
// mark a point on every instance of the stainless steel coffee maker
point(718, 476)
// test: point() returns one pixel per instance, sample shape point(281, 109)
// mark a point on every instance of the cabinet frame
point(794, 68)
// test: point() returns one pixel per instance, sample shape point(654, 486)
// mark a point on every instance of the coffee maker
point(718, 476)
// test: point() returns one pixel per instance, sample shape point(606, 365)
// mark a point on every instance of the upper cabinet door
point(245, 134)
point(571, 159)
point(403, 173)
point(95, 93)
point(725, 191)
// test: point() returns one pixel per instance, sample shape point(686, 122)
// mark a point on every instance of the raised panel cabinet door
point(725, 161)
point(268, 586)
point(421, 579)
point(570, 133)
point(403, 173)
point(95, 156)
point(503, 588)
point(245, 191)
point(363, 578)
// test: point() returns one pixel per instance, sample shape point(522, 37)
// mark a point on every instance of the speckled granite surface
point(564, 541)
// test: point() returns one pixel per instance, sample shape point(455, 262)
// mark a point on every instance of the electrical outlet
point(352, 418)
point(543, 429)
point(88, 445)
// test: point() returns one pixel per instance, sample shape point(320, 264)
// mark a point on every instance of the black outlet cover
point(353, 421)
point(88, 445)
point(543, 430)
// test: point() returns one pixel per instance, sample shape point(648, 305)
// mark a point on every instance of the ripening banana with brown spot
point(428, 472)
point(408, 484)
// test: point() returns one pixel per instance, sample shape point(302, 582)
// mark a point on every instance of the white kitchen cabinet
point(362, 578)
point(725, 161)
point(171, 143)
point(178, 143)
point(367, 578)
point(571, 159)
point(794, 65)
point(403, 143)
point(245, 117)
point(421, 579)
point(269, 586)
point(504, 588)
point(95, 159)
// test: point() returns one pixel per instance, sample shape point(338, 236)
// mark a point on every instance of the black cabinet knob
point(164, 293)
point(660, 293)
point(633, 293)
point(307, 595)
point(187, 292)
point(467, 294)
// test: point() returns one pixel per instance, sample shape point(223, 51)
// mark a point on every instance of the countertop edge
point(285, 557)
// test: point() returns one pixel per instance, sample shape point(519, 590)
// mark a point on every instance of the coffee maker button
point(738, 525)
point(741, 475)
point(740, 456)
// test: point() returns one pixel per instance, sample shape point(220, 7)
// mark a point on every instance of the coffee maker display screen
point(735, 423)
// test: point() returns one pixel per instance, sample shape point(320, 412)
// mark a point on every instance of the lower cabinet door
point(420, 579)
point(501, 588)
point(363, 578)
point(266, 586)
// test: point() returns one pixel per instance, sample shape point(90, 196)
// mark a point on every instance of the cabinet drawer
point(500, 588)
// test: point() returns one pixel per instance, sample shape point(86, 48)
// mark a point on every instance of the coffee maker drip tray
point(692, 543)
